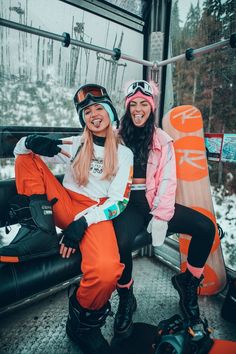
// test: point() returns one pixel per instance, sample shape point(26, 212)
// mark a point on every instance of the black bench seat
point(19, 281)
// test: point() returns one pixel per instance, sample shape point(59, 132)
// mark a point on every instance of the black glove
point(74, 233)
point(43, 145)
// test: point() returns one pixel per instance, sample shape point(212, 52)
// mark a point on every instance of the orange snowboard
point(184, 124)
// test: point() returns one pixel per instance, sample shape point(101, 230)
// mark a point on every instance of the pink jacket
point(161, 176)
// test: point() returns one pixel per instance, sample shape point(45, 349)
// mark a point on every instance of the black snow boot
point(37, 236)
point(187, 286)
point(123, 324)
point(84, 327)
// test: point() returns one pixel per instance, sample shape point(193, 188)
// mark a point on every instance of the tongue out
point(97, 123)
point(138, 119)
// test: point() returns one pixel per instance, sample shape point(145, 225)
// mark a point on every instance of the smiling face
point(97, 119)
point(140, 110)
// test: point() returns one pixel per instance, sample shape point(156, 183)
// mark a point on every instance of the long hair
point(139, 140)
point(81, 164)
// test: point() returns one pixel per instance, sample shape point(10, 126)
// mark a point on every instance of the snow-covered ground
point(225, 210)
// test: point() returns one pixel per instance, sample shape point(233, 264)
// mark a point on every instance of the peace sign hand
point(45, 146)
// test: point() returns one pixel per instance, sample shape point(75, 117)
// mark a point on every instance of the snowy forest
point(38, 77)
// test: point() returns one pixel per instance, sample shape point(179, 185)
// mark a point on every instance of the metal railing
point(116, 53)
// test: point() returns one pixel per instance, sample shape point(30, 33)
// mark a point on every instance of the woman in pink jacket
point(152, 206)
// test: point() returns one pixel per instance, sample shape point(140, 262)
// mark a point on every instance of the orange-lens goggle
point(93, 90)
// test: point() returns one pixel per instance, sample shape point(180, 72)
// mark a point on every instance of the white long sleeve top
point(116, 190)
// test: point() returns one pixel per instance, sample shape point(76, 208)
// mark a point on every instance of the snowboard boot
point(228, 311)
point(84, 327)
point(186, 285)
point(37, 235)
point(123, 324)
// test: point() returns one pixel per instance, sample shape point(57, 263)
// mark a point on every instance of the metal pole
point(196, 52)
point(154, 65)
point(32, 30)
point(75, 42)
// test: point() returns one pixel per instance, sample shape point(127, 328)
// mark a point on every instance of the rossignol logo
point(191, 158)
point(187, 120)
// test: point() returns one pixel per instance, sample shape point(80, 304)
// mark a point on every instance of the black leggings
point(136, 217)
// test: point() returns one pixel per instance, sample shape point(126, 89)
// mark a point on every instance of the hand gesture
point(45, 146)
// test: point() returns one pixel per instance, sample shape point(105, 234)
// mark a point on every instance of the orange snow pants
point(100, 264)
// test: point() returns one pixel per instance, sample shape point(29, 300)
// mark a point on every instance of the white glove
point(158, 229)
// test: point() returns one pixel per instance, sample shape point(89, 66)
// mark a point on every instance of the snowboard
point(185, 125)
point(143, 337)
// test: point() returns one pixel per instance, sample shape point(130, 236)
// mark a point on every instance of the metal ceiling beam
point(110, 12)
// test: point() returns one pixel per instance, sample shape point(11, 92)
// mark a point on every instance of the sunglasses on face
point(141, 85)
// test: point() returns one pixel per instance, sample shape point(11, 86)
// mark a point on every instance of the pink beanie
point(139, 94)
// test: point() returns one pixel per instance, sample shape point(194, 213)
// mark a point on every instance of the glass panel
point(38, 76)
point(208, 82)
point(136, 7)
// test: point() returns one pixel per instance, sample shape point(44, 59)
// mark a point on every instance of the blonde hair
point(82, 162)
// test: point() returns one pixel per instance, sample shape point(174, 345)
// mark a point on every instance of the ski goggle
point(93, 90)
point(89, 92)
point(141, 85)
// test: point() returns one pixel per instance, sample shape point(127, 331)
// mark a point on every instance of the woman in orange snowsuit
point(95, 189)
